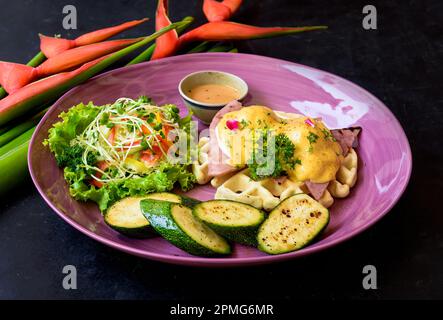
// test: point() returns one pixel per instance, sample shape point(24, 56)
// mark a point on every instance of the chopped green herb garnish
point(72, 157)
point(120, 108)
point(171, 112)
point(328, 135)
point(112, 172)
point(312, 138)
point(243, 124)
point(144, 144)
point(104, 119)
point(141, 113)
point(151, 117)
point(131, 127)
point(144, 100)
point(283, 157)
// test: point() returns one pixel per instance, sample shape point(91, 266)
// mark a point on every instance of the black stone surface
point(400, 63)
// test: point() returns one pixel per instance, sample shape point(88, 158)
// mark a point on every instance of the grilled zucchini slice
point(177, 224)
point(233, 220)
point(126, 217)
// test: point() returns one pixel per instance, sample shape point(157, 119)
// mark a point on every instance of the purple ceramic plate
point(385, 156)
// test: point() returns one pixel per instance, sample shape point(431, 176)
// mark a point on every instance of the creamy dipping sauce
point(213, 93)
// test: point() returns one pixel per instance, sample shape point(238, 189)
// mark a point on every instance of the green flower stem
point(201, 47)
point(13, 161)
point(15, 131)
point(146, 55)
point(221, 48)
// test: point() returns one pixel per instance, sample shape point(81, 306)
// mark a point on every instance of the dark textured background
point(400, 63)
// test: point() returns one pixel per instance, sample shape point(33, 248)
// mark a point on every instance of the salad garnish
point(105, 148)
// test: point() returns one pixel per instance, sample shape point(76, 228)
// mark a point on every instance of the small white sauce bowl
point(206, 111)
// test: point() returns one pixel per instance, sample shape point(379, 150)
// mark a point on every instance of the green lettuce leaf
point(73, 123)
point(162, 179)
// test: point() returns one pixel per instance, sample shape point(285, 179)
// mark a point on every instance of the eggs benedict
point(291, 144)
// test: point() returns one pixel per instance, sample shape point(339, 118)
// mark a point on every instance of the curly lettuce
point(162, 179)
point(62, 133)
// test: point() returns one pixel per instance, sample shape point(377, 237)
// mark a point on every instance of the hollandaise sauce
point(213, 93)
point(316, 154)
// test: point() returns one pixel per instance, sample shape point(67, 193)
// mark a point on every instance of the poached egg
point(319, 154)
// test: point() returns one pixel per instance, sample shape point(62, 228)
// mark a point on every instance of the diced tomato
point(149, 157)
point(112, 134)
point(96, 183)
point(135, 143)
point(145, 130)
point(102, 165)
point(165, 144)
point(166, 130)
